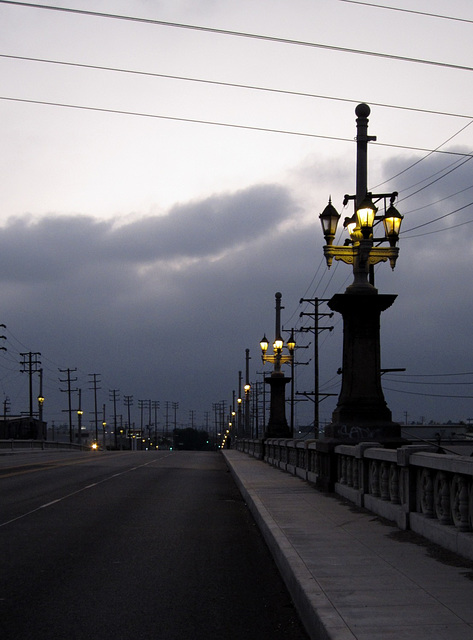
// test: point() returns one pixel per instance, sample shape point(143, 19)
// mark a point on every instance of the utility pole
point(141, 406)
point(104, 424)
point(95, 388)
point(128, 400)
point(316, 329)
point(31, 363)
point(114, 395)
point(6, 409)
point(155, 404)
point(175, 406)
point(167, 404)
point(69, 390)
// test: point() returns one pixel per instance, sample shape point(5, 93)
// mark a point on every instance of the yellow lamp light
point(264, 344)
point(392, 224)
point(365, 216)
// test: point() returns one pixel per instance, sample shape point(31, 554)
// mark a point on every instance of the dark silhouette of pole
point(40, 399)
point(104, 425)
point(156, 407)
point(79, 419)
point(95, 388)
point(128, 400)
point(114, 396)
point(175, 406)
point(69, 391)
point(247, 393)
point(31, 366)
point(316, 329)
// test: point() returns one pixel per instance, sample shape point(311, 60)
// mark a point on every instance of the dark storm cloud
point(203, 228)
point(164, 307)
point(58, 247)
point(161, 293)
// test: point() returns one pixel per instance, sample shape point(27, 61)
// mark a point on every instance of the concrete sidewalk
point(350, 574)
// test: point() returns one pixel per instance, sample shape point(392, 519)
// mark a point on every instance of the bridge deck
point(352, 575)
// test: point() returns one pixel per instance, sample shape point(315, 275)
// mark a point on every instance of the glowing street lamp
point(361, 411)
point(277, 426)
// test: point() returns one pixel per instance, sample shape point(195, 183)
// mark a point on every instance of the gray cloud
point(164, 307)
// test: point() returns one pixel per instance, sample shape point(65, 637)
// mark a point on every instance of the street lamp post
point(277, 426)
point(362, 411)
point(79, 419)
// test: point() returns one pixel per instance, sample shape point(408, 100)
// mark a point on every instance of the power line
point(219, 124)
point(428, 395)
point(411, 166)
point(234, 85)
point(420, 13)
point(242, 34)
point(429, 233)
point(436, 375)
point(446, 215)
point(437, 179)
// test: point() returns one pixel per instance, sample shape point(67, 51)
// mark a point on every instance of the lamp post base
point(361, 412)
point(277, 426)
point(375, 431)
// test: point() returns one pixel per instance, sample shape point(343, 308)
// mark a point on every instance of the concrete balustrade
point(413, 486)
point(22, 445)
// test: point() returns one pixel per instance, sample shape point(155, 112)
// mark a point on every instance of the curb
point(303, 588)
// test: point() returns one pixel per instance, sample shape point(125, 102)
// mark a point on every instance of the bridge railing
point(413, 486)
point(22, 445)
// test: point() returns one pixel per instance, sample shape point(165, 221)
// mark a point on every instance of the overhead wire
point(234, 85)
point(411, 166)
point(240, 34)
point(420, 13)
point(213, 123)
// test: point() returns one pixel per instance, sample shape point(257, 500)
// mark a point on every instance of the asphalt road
point(133, 545)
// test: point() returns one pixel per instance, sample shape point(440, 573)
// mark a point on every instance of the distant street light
point(277, 424)
point(361, 411)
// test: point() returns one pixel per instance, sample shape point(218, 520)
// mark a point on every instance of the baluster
point(356, 473)
point(427, 493)
point(343, 470)
point(384, 482)
point(463, 504)
point(394, 484)
point(443, 499)
point(349, 471)
point(374, 478)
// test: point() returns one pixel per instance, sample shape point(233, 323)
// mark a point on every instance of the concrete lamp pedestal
point(277, 426)
point(361, 412)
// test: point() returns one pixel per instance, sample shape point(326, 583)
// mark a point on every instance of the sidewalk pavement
point(351, 574)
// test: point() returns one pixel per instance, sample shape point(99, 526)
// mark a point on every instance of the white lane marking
point(89, 486)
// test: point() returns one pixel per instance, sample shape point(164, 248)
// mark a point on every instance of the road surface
point(133, 545)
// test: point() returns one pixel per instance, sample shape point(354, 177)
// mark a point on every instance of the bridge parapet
point(413, 486)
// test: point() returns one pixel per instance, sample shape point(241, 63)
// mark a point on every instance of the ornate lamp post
point(362, 411)
point(277, 424)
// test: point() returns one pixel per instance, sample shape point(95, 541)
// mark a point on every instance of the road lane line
point(69, 495)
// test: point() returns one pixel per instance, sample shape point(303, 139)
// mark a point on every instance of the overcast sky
point(159, 184)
